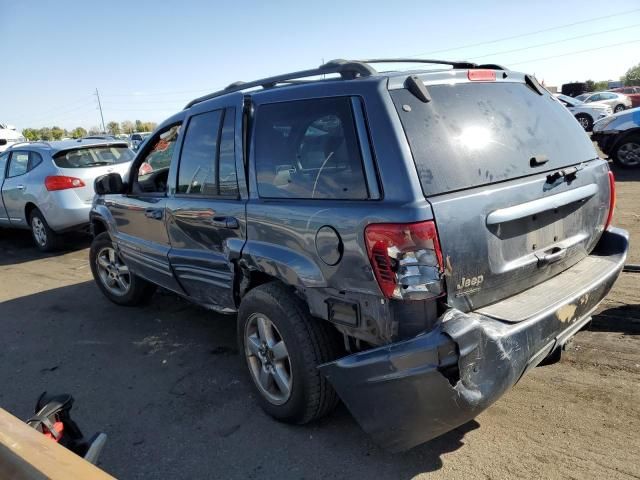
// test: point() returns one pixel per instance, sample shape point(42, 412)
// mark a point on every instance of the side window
point(19, 164)
point(153, 172)
point(228, 179)
point(35, 159)
point(197, 172)
point(3, 164)
point(309, 149)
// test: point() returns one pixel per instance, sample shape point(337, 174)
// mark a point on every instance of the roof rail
point(347, 69)
point(19, 144)
point(454, 64)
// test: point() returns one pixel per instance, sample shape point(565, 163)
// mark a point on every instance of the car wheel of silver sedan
point(618, 108)
point(628, 152)
point(44, 238)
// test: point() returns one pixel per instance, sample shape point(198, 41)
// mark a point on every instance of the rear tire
point(585, 121)
point(618, 108)
point(45, 239)
point(627, 153)
point(307, 342)
point(112, 275)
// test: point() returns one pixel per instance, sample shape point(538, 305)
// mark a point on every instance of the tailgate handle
point(551, 256)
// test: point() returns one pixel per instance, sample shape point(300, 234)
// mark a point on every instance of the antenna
point(104, 130)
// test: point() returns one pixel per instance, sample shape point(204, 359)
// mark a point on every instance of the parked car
point(632, 92)
point(137, 138)
point(9, 136)
point(618, 136)
point(616, 101)
point(48, 186)
point(586, 114)
point(410, 242)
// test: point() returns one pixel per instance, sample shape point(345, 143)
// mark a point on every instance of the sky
point(148, 59)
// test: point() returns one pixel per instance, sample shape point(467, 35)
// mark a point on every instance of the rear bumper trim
point(406, 393)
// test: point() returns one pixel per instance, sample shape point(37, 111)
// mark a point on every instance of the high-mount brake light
point(62, 182)
point(612, 199)
point(480, 75)
point(406, 259)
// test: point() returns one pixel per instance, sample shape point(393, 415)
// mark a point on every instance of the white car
point(9, 136)
point(586, 114)
point(617, 101)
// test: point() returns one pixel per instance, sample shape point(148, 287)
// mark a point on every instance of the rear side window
point(309, 149)
point(19, 164)
point(93, 157)
point(472, 134)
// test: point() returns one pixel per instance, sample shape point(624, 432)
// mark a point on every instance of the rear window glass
point(93, 157)
point(309, 149)
point(473, 134)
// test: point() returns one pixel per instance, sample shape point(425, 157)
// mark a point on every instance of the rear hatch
point(517, 189)
point(88, 162)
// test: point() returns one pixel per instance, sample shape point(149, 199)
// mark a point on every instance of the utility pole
point(104, 130)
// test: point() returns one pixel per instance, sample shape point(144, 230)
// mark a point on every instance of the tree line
point(113, 128)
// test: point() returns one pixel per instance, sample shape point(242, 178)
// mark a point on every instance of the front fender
point(101, 213)
point(282, 263)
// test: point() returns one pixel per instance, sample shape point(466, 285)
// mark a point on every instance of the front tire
point(627, 152)
point(45, 238)
point(585, 121)
point(283, 346)
point(113, 277)
point(618, 108)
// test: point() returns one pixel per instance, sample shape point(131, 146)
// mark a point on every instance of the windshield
point(583, 97)
point(567, 99)
point(93, 157)
point(471, 134)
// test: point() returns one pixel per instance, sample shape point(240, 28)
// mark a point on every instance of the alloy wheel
point(268, 359)
point(584, 122)
point(39, 231)
point(113, 273)
point(619, 108)
point(629, 154)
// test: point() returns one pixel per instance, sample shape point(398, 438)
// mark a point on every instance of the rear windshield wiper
point(94, 164)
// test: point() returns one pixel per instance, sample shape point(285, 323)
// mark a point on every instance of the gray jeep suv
point(411, 243)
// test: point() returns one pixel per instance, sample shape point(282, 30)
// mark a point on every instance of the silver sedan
point(48, 186)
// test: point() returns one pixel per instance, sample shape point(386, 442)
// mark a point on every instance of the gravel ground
point(166, 384)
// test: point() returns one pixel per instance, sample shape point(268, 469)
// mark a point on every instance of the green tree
point(78, 132)
point(149, 126)
point(57, 133)
point(45, 134)
point(31, 134)
point(127, 126)
point(95, 130)
point(113, 128)
point(632, 77)
point(590, 85)
point(139, 126)
point(600, 86)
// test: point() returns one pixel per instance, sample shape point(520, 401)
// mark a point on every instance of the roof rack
point(19, 144)
point(346, 69)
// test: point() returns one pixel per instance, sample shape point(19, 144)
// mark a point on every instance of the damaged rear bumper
point(406, 393)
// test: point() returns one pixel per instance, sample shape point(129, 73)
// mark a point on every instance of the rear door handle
point(554, 254)
point(154, 213)
point(225, 222)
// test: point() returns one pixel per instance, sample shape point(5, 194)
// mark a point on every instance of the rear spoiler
point(82, 146)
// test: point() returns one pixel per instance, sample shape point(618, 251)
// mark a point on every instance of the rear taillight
point(481, 75)
point(62, 182)
point(612, 199)
point(406, 259)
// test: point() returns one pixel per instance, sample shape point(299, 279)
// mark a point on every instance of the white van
point(8, 136)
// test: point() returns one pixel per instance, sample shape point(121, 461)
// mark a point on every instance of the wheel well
point(28, 208)
point(97, 227)
point(621, 138)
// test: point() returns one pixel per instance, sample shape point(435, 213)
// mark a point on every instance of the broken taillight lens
point(406, 259)
point(612, 199)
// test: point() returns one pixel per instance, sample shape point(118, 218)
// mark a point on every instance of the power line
point(581, 22)
point(144, 94)
point(576, 52)
point(555, 42)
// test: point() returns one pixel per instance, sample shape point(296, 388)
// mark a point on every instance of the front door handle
point(154, 213)
point(225, 222)
point(20, 187)
point(551, 256)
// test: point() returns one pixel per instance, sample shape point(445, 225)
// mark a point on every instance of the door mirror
point(3, 141)
point(109, 184)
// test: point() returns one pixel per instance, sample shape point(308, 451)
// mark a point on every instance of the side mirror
point(108, 184)
point(3, 141)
